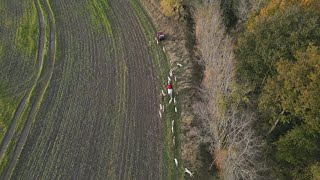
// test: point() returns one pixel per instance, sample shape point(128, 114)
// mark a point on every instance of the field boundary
point(162, 65)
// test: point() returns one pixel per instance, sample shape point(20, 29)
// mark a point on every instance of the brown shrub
point(220, 158)
point(170, 7)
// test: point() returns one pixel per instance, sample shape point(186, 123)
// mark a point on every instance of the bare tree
point(236, 146)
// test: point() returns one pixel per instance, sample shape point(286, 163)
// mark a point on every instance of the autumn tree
point(170, 7)
point(292, 99)
point(278, 57)
point(273, 35)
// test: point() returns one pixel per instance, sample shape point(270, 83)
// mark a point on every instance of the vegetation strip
point(37, 102)
point(24, 102)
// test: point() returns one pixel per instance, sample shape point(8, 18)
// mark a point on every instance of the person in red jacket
point(169, 89)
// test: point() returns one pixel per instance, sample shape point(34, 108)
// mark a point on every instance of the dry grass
point(220, 157)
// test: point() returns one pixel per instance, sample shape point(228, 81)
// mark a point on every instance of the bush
point(171, 7)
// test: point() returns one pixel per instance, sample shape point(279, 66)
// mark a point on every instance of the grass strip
point(31, 96)
point(98, 10)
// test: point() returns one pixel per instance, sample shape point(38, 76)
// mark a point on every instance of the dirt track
point(99, 116)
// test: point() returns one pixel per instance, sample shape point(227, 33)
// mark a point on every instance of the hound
point(172, 129)
point(172, 125)
point(189, 172)
point(176, 162)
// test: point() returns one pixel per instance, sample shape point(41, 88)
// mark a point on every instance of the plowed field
point(91, 111)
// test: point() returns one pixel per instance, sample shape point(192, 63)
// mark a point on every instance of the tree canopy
point(274, 35)
point(278, 54)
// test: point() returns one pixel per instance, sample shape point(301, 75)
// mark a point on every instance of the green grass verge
point(162, 66)
point(7, 109)
point(27, 32)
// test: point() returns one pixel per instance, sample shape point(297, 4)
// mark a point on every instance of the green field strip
point(122, 74)
point(118, 132)
point(11, 90)
point(18, 28)
point(39, 96)
point(68, 76)
point(26, 32)
point(17, 125)
point(121, 97)
point(161, 64)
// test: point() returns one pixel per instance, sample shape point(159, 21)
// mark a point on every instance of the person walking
point(169, 87)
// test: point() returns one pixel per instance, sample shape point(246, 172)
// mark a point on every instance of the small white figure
point(178, 64)
point(174, 140)
point(189, 172)
point(160, 114)
point(176, 162)
point(175, 78)
point(175, 109)
point(164, 50)
point(174, 101)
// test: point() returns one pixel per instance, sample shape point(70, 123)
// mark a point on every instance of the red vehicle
point(159, 36)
